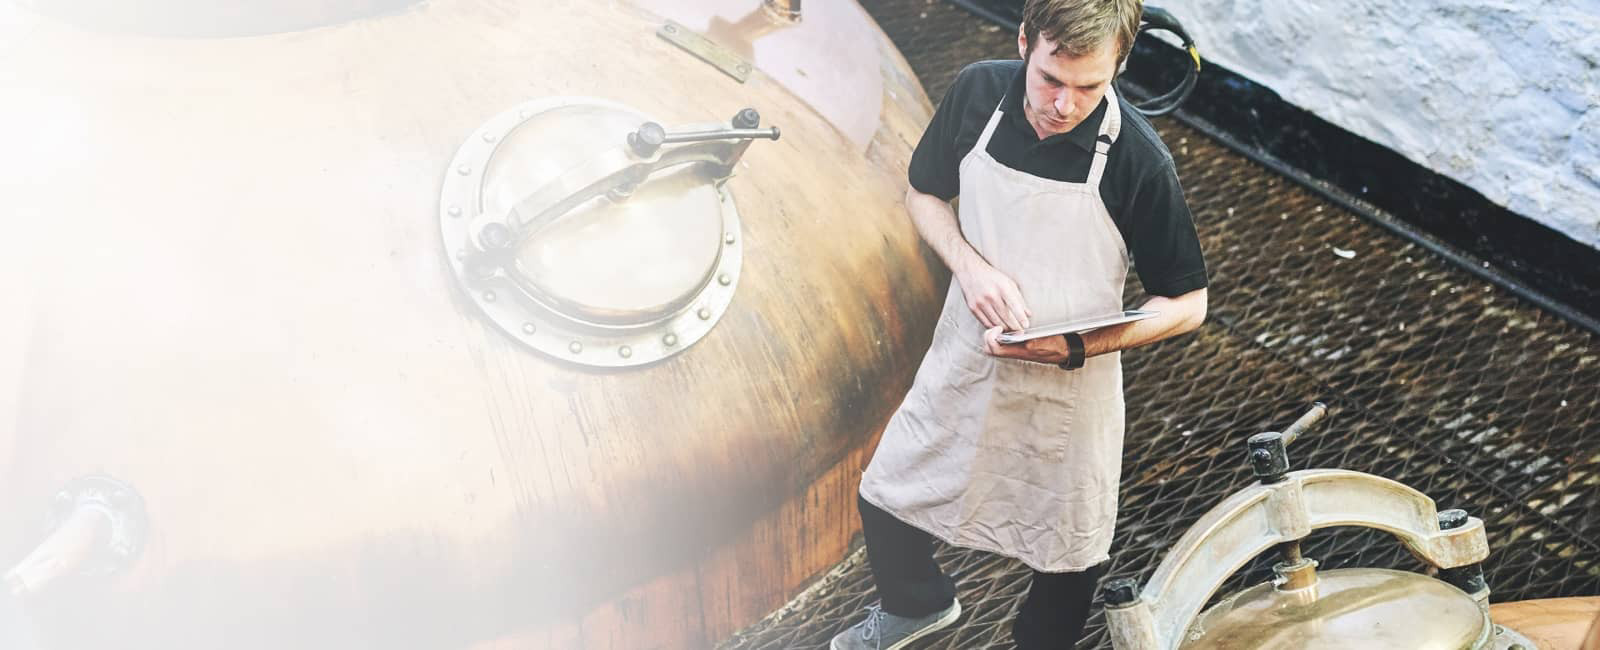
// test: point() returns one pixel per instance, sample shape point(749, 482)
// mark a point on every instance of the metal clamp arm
point(1259, 517)
point(615, 173)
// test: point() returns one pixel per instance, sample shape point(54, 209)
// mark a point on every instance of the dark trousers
point(911, 584)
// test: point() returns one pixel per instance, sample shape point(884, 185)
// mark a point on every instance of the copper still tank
point(451, 324)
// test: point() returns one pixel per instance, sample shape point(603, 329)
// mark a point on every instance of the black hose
point(1156, 18)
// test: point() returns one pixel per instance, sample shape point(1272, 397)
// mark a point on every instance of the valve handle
point(1311, 418)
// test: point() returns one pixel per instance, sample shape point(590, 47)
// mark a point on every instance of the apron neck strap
point(1111, 122)
point(988, 129)
point(1110, 127)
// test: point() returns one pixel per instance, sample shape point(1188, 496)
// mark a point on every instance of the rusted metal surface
point(1433, 378)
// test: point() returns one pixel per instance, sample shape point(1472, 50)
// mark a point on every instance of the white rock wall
point(1501, 95)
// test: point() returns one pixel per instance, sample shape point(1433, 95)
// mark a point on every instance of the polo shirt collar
point(1082, 135)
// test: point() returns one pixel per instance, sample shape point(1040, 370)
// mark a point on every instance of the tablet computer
point(1080, 326)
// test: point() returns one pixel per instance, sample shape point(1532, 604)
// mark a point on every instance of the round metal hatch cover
point(622, 279)
point(1377, 609)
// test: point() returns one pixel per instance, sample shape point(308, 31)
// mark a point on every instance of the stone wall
point(1501, 95)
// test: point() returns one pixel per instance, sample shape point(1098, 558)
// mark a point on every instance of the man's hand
point(1050, 349)
point(993, 297)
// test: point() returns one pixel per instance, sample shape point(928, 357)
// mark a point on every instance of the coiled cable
point(1156, 18)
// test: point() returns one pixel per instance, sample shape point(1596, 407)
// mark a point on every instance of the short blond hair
point(1079, 26)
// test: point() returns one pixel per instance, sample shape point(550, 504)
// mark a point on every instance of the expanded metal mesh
point(1433, 377)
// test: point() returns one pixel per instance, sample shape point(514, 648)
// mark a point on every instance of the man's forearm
point(936, 222)
point(1178, 315)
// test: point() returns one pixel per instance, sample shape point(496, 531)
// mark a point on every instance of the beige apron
point(1010, 456)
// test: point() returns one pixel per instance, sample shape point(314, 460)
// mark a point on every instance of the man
point(996, 447)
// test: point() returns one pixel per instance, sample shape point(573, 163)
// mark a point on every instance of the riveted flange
point(583, 245)
point(1506, 638)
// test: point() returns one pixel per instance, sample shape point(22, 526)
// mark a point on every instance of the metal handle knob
point(1269, 457)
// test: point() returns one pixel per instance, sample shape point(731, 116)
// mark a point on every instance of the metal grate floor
point(1433, 377)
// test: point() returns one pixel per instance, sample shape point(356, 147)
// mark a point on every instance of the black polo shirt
point(1140, 184)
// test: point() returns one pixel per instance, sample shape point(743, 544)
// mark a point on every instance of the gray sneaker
point(885, 631)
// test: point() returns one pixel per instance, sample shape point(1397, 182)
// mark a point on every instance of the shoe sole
point(942, 623)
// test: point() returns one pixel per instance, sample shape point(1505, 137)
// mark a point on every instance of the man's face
point(1063, 89)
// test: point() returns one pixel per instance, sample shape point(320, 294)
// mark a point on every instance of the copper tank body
point(1554, 623)
point(225, 288)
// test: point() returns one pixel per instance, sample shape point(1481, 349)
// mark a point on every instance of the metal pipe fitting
point(99, 528)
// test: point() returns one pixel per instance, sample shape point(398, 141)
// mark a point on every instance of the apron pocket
point(1032, 410)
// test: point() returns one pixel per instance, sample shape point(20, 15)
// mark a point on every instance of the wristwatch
point(1074, 352)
